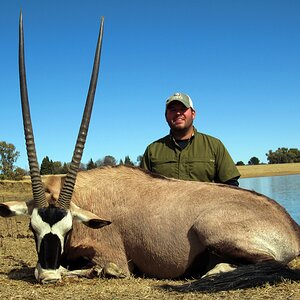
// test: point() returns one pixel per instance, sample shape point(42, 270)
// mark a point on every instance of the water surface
point(284, 189)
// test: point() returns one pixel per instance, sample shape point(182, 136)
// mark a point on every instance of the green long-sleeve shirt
point(204, 158)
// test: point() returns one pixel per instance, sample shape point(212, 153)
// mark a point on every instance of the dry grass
point(269, 170)
point(18, 257)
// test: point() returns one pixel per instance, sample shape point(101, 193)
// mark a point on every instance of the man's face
point(179, 117)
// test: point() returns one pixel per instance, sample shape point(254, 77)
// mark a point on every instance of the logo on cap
point(183, 98)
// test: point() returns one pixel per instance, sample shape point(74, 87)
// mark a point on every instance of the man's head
point(180, 114)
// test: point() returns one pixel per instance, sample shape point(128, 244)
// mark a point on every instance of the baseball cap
point(183, 98)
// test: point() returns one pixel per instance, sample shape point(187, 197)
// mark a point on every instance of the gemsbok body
point(158, 227)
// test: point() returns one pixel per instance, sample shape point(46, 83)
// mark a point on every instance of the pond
point(284, 189)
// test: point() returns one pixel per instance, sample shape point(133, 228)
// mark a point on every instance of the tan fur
point(160, 226)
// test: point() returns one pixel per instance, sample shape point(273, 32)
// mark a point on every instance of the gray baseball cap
point(183, 98)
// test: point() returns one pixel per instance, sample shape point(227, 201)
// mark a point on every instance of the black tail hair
point(243, 277)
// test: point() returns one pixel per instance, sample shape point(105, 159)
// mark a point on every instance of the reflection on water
point(284, 189)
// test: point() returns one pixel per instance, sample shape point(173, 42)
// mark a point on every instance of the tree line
point(284, 155)
point(56, 167)
point(9, 156)
point(280, 156)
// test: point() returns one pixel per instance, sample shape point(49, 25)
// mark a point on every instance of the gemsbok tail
point(243, 277)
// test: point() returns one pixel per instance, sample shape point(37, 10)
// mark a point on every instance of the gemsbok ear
point(87, 218)
point(16, 208)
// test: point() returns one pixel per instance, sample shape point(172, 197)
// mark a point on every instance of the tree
point(8, 156)
point(56, 167)
point(108, 160)
point(240, 163)
point(91, 165)
point(19, 173)
point(283, 155)
point(64, 169)
point(127, 161)
point(253, 161)
point(46, 166)
point(294, 155)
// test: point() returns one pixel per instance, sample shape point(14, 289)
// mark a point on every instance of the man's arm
point(233, 181)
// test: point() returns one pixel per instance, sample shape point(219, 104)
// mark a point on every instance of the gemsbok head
point(51, 223)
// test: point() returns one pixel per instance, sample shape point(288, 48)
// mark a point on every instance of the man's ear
point(193, 113)
point(87, 218)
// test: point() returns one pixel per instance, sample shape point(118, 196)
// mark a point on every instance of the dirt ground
point(18, 258)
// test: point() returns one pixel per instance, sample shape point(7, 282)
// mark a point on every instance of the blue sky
point(238, 60)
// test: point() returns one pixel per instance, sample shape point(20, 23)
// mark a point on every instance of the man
point(187, 154)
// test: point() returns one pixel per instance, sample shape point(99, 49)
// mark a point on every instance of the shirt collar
point(193, 134)
point(176, 143)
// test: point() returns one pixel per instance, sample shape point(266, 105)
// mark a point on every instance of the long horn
point(37, 186)
point(69, 183)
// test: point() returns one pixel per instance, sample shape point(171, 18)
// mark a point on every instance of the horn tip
point(21, 19)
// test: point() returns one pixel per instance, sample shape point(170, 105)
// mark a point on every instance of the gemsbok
point(158, 227)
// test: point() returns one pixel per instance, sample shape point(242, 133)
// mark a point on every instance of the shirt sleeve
point(226, 169)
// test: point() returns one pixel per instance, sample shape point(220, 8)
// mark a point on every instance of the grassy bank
point(269, 170)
